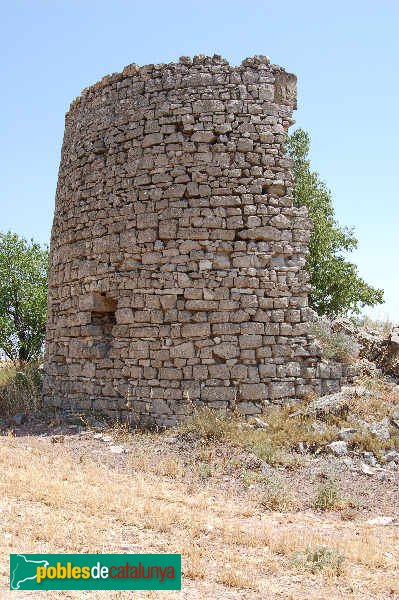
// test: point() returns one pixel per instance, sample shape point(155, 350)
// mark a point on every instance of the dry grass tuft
point(320, 559)
point(328, 496)
point(384, 326)
point(274, 495)
point(19, 388)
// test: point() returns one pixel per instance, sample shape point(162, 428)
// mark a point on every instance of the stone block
point(226, 350)
point(219, 371)
point(196, 330)
point(152, 139)
point(253, 391)
point(249, 408)
point(167, 230)
point(282, 390)
point(151, 258)
point(185, 350)
point(171, 374)
point(250, 341)
point(208, 106)
point(201, 305)
point(267, 370)
point(124, 316)
point(260, 233)
point(139, 349)
point(220, 393)
point(147, 220)
point(168, 301)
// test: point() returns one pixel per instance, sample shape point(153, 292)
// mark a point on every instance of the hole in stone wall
point(105, 320)
point(103, 317)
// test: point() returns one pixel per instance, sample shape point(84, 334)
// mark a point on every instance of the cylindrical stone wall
point(177, 257)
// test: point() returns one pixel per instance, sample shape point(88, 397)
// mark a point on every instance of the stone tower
point(177, 257)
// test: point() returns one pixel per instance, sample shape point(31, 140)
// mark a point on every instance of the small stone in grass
point(381, 521)
point(117, 449)
point(339, 448)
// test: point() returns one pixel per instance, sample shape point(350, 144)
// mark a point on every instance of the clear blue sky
point(345, 55)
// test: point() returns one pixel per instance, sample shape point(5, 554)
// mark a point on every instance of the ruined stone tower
point(177, 257)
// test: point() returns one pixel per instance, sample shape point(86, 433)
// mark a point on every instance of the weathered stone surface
point(339, 448)
point(168, 301)
point(285, 389)
point(176, 252)
point(253, 391)
point(250, 341)
point(260, 233)
point(185, 350)
point(196, 330)
point(219, 393)
point(380, 429)
point(226, 350)
point(152, 139)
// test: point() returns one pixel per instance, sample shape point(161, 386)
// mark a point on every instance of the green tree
point(23, 296)
point(336, 287)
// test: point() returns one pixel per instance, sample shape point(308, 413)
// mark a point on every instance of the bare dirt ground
point(71, 489)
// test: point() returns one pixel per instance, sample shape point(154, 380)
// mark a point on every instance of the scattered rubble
point(378, 350)
point(334, 404)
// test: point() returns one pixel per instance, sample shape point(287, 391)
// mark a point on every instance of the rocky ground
point(302, 503)
point(249, 520)
point(366, 487)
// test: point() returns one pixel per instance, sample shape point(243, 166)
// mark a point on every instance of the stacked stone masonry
point(177, 257)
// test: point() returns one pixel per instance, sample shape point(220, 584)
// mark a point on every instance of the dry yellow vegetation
point(69, 497)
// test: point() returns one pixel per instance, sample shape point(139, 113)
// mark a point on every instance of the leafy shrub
point(335, 346)
point(336, 287)
point(23, 297)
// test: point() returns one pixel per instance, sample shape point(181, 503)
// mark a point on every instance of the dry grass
point(383, 326)
point(285, 431)
point(329, 496)
point(320, 559)
point(274, 495)
point(19, 388)
point(54, 499)
point(270, 445)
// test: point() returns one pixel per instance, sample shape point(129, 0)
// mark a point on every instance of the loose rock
point(339, 448)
